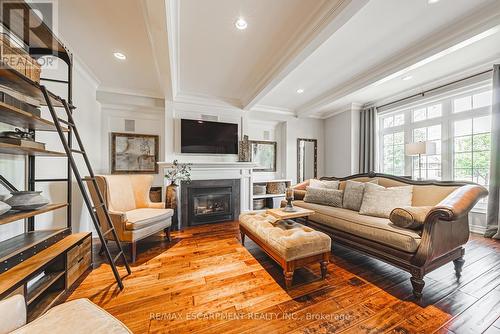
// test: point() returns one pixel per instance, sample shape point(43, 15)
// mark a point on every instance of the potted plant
point(177, 172)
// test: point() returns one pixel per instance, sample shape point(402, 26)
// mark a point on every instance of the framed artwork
point(133, 153)
point(263, 153)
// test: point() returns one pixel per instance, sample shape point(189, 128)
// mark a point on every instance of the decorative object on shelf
point(259, 204)
point(263, 153)
point(19, 134)
point(244, 150)
point(12, 101)
point(134, 153)
point(21, 138)
point(4, 207)
point(26, 200)
point(15, 55)
point(259, 189)
point(155, 194)
point(177, 172)
point(418, 149)
point(276, 188)
point(289, 198)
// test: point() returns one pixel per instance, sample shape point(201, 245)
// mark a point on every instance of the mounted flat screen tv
point(205, 137)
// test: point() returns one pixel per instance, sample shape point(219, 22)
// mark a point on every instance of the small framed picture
point(263, 153)
point(133, 153)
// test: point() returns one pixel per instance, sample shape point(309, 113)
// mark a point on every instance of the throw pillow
point(379, 201)
point(314, 183)
point(411, 217)
point(353, 194)
point(331, 197)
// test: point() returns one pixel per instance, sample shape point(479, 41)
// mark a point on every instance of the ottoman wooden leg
point(324, 269)
point(242, 238)
point(288, 272)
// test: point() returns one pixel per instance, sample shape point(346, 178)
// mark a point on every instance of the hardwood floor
point(206, 282)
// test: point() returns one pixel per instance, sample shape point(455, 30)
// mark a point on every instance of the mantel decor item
point(133, 153)
point(244, 150)
point(177, 172)
point(26, 200)
point(289, 198)
point(4, 208)
point(263, 153)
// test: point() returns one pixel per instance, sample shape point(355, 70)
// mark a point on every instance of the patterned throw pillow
point(331, 197)
point(353, 194)
point(412, 217)
point(379, 201)
point(314, 183)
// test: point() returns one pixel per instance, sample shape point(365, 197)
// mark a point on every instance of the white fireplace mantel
point(220, 171)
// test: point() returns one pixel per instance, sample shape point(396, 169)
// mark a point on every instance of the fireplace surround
point(209, 201)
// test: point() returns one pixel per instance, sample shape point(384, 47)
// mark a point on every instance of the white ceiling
point(333, 49)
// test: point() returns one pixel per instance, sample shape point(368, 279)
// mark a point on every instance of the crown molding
point(136, 108)
point(273, 110)
point(355, 106)
point(330, 17)
point(132, 92)
point(462, 29)
point(207, 100)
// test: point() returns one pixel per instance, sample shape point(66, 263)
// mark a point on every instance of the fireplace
point(209, 201)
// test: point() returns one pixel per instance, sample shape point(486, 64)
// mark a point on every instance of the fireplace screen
point(212, 204)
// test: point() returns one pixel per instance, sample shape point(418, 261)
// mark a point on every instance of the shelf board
point(268, 196)
point(18, 150)
point(42, 285)
point(23, 119)
point(25, 241)
point(13, 216)
point(23, 271)
point(24, 85)
point(44, 304)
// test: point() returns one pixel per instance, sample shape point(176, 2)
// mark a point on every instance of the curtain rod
point(435, 88)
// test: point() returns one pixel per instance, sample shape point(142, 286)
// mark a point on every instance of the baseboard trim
point(477, 229)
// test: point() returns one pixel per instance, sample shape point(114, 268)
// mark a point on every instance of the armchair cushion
point(141, 218)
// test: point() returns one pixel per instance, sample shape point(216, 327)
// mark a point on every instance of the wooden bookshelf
point(18, 150)
point(23, 119)
point(17, 215)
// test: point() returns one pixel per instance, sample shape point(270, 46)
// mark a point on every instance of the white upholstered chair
point(133, 215)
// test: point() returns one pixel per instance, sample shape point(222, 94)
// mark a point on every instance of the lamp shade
point(421, 147)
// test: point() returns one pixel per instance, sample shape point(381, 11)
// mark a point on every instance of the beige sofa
point(133, 215)
point(446, 227)
point(75, 317)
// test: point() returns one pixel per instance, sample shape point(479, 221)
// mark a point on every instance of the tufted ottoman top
point(289, 239)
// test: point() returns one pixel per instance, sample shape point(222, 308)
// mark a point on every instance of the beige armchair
point(133, 215)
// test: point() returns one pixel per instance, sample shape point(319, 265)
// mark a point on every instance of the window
point(459, 124)
point(394, 157)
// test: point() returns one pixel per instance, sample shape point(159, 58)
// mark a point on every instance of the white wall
point(342, 143)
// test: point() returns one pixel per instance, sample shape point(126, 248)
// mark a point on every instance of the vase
point(26, 200)
point(172, 201)
point(4, 207)
point(244, 150)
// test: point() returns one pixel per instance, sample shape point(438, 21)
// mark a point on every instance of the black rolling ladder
point(93, 210)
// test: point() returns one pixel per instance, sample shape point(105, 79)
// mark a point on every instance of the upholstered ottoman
point(290, 244)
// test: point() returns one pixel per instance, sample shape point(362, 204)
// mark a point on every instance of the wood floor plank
point(205, 281)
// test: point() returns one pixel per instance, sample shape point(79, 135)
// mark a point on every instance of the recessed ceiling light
point(119, 55)
point(407, 77)
point(430, 2)
point(241, 24)
point(300, 91)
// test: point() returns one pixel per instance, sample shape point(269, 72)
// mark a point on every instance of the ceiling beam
point(464, 28)
point(330, 17)
point(154, 13)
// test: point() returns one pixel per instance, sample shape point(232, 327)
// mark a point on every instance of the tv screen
point(208, 137)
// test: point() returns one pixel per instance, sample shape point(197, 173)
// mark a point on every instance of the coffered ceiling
point(337, 51)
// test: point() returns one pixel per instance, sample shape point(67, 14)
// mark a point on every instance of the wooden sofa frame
point(446, 230)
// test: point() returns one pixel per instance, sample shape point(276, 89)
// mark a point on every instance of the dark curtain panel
point(367, 140)
point(493, 216)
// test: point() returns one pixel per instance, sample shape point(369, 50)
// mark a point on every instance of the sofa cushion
point(314, 183)
point(331, 197)
point(353, 194)
point(372, 228)
point(290, 240)
point(412, 217)
point(141, 218)
point(379, 201)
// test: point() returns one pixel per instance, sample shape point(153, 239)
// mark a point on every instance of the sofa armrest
point(13, 311)
point(118, 216)
point(446, 226)
point(156, 205)
point(458, 203)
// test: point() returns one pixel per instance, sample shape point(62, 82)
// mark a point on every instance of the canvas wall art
point(134, 153)
point(264, 155)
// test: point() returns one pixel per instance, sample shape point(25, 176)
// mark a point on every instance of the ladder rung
point(108, 232)
point(50, 180)
point(65, 122)
point(98, 206)
point(117, 256)
point(88, 178)
point(78, 151)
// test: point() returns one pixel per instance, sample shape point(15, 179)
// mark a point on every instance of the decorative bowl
point(26, 200)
